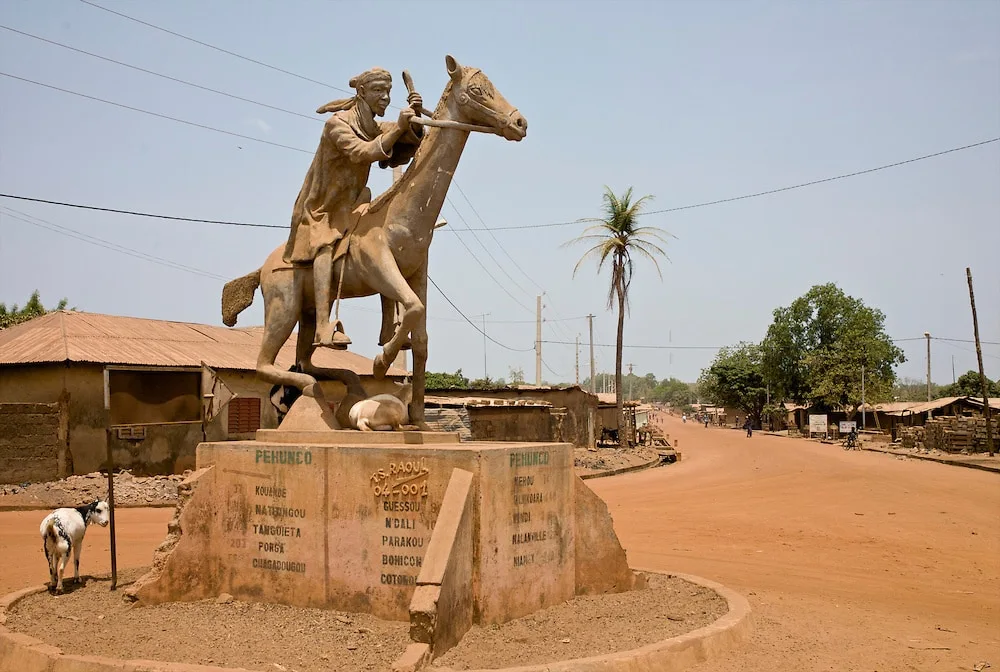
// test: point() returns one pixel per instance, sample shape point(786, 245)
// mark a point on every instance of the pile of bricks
point(913, 437)
point(961, 434)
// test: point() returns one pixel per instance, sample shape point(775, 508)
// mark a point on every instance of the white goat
point(62, 531)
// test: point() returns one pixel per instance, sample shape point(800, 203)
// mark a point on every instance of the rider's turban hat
point(364, 79)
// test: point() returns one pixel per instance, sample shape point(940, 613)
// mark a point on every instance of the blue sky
point(688, 101)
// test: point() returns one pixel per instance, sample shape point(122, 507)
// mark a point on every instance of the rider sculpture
point(336, 184)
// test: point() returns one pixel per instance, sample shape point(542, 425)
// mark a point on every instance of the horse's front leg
point(382, 274)
point(419, 342)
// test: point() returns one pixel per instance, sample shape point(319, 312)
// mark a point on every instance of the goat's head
point(98, 512)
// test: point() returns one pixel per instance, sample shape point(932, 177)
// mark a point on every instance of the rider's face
point(376, 95)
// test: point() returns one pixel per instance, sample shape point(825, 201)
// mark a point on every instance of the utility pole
point(485, 376)
point(928, 337)
point(862, 396)
point(578, 360)
point(630, 381)
point(538, 341)
point(953, 379)
point(982, 376)
point(593, 380)
point(591, 420)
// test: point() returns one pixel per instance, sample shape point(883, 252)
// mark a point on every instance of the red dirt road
point(851, 560)
point(137, 533)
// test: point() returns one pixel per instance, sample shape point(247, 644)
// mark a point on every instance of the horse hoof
point(379, 366)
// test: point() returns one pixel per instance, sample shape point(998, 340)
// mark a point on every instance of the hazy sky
point(688, 101)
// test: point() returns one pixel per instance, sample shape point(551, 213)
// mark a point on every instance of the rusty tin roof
point(71, 336)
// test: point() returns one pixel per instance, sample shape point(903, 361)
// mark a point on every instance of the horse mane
point(383, 199)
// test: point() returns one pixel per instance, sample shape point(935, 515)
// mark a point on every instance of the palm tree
point(617, 237)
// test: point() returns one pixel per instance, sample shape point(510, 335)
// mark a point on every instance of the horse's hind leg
point(281, 311)
point(304, 349)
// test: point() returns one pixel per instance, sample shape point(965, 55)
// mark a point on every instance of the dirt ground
point(94, 621)
point(314, 640)
point(590, 626)
point(851, 560)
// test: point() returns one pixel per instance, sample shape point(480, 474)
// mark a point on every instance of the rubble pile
point(76, 490)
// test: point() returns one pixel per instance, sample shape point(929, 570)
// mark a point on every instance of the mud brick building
point(73, 382)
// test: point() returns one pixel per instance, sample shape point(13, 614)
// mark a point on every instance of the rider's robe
point(336, 180)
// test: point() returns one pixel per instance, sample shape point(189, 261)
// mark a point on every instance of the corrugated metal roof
point(72, 336)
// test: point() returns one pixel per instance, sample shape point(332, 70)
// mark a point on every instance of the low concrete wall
point(33, 442)
point(441, 610)
point(601, 565)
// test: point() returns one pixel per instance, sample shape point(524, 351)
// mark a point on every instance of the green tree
point(516, 376)
point(32, 309)
point(614, 239)
point(969, 385)
point(735, 378)
point(446, 381)
point(913, 389)
point(815, 350)
point(674, 392)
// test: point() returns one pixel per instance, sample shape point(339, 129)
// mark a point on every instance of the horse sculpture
point(387, 252)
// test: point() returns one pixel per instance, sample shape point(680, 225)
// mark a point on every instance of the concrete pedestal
point(346, 526)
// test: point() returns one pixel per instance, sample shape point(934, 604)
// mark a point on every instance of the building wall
point(44, 383)
point(32, 442)
point(579, 406)
point(510, 423)
point(146, 448)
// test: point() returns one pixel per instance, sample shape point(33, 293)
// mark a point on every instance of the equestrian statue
point(344, 245)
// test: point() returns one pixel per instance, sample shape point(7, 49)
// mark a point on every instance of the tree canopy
point(815, 350)
point(445, 381)
point(735, 379)
point(969, 385)
point(32, 309)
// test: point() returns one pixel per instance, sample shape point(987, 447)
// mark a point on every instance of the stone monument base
point(414, 530)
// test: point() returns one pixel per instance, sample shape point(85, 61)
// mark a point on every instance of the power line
point(769, 191)
point(971, 352)
point(156, 114)
point(471, 323)
point(499, 244)
point(219, 49)
point(490, 275)
point(546, 365)
point(483, 245)
point(285, 111)
point(163, 76)
point(106, 244)
point(825, 179)
point(498, 228)
point(963, 340)
point(575, 222)
point(718, 347)
point(142, 214)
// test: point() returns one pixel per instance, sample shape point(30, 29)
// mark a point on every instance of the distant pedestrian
point(684, 417)
point(706, 422)
point(749, 427)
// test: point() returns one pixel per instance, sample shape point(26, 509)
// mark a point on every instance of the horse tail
point(237, 295)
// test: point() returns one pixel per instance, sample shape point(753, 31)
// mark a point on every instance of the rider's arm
point(356, 149)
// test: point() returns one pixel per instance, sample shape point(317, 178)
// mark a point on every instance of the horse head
point(475, 100)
